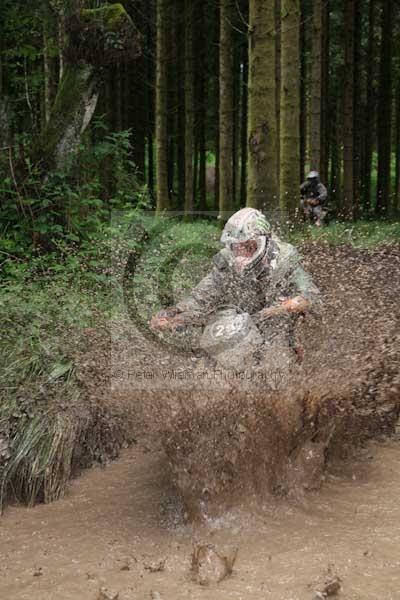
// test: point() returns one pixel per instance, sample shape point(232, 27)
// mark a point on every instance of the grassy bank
point(361, 234)
point(48, 306)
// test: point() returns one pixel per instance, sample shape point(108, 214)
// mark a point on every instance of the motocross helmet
point(245, 235)
point(313, 175)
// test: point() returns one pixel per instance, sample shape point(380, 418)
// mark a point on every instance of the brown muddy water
point(121, 528)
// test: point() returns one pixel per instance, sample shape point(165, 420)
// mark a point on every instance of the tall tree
point(237, 67)
point(226, 74)
point(359, 107)
point(189, 107)
point(385, 109)
point(172, 101)
point(262, 186)
point(179, 41)
point(161, 137)
point(325, 121)
point(215, 120)
point(135, 100)
point(316, 82)
point(49, 71)
point(278, 36)
point(149, 100)
point(243, 127)
point(397, 202)
point(369, 123)
point(348, 111)
point(202, 99)
point(303, 91)
point(290, 105)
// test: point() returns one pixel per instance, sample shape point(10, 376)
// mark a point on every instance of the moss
point(111, 16)
point(68, 104)
point(102, 36)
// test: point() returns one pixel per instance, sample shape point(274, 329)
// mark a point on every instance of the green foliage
point(37, 214)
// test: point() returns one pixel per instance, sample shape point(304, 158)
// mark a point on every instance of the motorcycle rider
point(314, 197)
point(257, 273)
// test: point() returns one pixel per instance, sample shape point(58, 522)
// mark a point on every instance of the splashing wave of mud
point(240, 441)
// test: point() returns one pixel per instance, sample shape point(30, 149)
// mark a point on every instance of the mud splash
point(246, 439)
point(227, 439)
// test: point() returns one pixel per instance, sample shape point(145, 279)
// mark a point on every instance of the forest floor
point(116, 526)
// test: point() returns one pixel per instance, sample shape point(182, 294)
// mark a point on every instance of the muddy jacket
point(279, 274)
point(315, 190)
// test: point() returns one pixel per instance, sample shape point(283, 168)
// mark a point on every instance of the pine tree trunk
point(397, 200)
point(149, 71)
point(171, 102)
point(236, 118)
point(47, 79)
point(135, 102)
point(195, 166)
point(243, 127)
point(278, 68)
point(179, 40)
point(162, 26)
point(325, 121)
point(316, 82)
point(290, 106)
point(216, 37)
point(226, 107)
point(303, 93)
point(359, 108)
point(106, 171)
point(339, 164)
point(61, 43)
point(49, 68)
point(141, 117)
point(385, 110)
point(370, 120)
point(348, 115)
point(262, 185)
point(334, 156)
point(5, 120)
point(189, 107)
point(202, 112)
point(336, 114)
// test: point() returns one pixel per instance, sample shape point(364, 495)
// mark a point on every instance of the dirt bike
point(311, 215)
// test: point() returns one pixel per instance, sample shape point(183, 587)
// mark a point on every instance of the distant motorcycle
point(313, 211)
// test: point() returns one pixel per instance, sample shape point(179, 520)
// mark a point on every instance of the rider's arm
point(303, 189)
point(194, 308)
point(201, 300)
point(322, 194)
point(305, 293)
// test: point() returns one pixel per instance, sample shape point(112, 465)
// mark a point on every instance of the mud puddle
point(120, 527)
